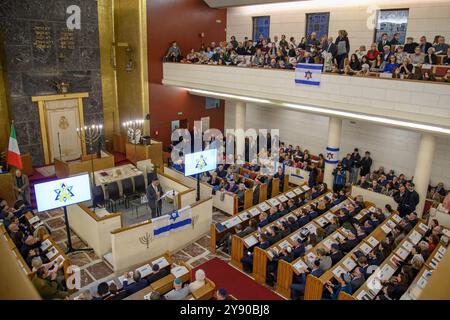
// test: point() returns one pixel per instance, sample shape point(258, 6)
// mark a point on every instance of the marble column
point(422, 173)
point(332, 151)
point(239, 126)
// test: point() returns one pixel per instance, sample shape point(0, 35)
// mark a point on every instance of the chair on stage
point(98, 197)
point(139, 185)
point(128, 191)
point(114, 195)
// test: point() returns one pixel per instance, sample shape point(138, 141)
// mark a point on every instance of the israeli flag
point(174, 221)
point(308, 74)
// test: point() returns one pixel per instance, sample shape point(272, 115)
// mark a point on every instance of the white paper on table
point(295, 236)
point(283, 198)
point(45, 244)
point(145, 270)
point(338, 235)
point(436, 262)
point(329, 195)
point(33, 220)
point(396, 218)
point(438, 256)
point(349, 263)
point(422, 282)
point(365, 248)
point(254, 211)
point(402, 253)
point(51, 253)
point(290, 194)
point(311, 257)
point(432, 264)
point(338, 271)
point(161, 262)
point(363, 295)
point(311, 227)
point(385, 272)
point(442, 250)
point(231, 222)
point(274, 202)
point(129, 280)
point(179, 271)
point(284, 244)
point(386, 229)
point(446, 232)
point(322, 221)
point(407, 245)
point(250, 241)
point(358, 216)
point(264, 206)
point(391, 224)
point(305, 188)
point(298, 191)
point(244, 216)
point(415, 237)
point(372, 241)
point(374, 284)
point(327, 243)
point(423, 226)
point(330, 216)
point(300, 264)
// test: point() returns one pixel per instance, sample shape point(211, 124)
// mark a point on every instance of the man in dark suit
point(256, 190)
point(424, 45)
point(157, 274)
point(154, 193)
point(137, 285)
point(407, 200)
point(335, 254)
point(331, 47)
point(383, 42)
point(247, 260)
point(299, 282)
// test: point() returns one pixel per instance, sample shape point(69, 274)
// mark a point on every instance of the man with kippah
point(222, 294)
point(179, 292)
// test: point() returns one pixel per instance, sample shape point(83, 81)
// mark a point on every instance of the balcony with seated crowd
point(407, 82)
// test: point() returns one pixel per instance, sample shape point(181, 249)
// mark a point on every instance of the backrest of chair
point(113, 190)
point(139, 183)
point(127, 186)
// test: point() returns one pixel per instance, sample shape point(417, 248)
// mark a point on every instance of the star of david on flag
point(308, 74)
point(174, 221)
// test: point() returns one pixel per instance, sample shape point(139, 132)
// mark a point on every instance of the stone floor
point(94, 268)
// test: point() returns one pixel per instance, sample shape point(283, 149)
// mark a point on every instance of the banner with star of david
point(174, 221)
point(308, 74)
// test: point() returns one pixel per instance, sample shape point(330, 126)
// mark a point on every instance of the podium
point(67, 168)
point(138, 152)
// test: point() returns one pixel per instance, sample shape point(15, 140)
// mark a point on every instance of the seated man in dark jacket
point(157, 274)
point(137, 285)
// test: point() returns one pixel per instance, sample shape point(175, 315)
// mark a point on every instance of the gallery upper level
point(408, 104)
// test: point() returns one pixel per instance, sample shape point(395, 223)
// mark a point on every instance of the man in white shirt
point(178, 292)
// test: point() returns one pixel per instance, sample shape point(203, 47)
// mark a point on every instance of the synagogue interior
point(224, 150)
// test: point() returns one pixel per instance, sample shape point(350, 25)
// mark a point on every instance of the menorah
point(134, 130)
point(90, 135)
point(146, 239)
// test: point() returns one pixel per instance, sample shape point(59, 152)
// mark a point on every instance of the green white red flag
point(13, 158)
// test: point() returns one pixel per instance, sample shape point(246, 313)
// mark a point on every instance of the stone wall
point(39, 49)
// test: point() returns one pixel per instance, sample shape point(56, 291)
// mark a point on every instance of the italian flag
point(13, 151)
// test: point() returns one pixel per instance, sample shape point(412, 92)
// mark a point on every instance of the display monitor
point(199, 162)
point(62, 192)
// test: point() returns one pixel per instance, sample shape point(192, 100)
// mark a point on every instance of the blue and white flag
point(174, 221)
point(308, 74)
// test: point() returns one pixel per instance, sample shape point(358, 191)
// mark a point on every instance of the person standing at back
point(366, 164)
point(356, 164)
point(21, 187)
point(343, 48)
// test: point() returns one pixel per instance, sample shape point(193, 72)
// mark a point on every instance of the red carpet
point(235, 282)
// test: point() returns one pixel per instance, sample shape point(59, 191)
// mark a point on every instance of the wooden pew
point(216, 231)
point(261, 257)
point(206, 292)
point(387, 267)
point(238, 245)
point(427, 271)
point(275, 187)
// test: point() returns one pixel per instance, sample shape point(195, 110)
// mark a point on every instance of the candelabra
point(90, 135)
point(134, 130)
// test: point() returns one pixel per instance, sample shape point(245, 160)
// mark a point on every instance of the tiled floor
point(93, 268)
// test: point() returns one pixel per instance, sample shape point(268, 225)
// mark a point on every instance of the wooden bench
point(242, 218)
